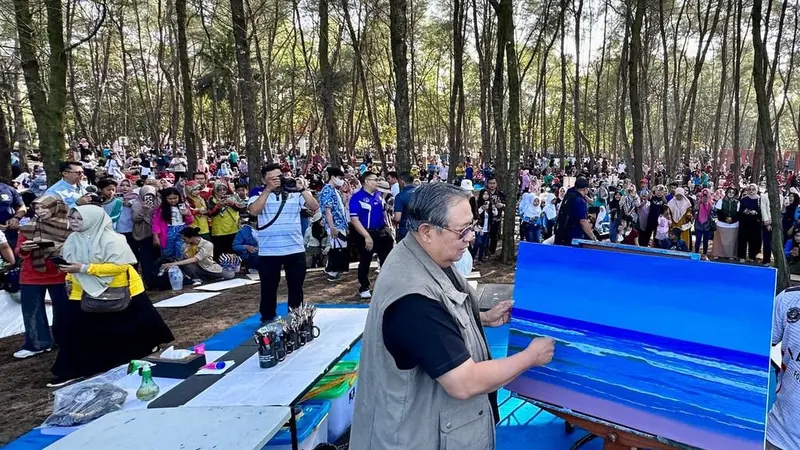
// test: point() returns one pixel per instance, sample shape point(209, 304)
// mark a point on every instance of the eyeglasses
point(463, 234)
point(74, 171)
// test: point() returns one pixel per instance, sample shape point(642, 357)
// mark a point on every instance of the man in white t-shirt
point(782, 430)
point(280, 245)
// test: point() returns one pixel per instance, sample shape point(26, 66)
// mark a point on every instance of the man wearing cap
point(367, 217)
point(573, 217)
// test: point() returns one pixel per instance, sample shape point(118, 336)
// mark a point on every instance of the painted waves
point(716, 389)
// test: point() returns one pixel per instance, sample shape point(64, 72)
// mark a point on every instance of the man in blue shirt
point(12, 209)
point(401, 202)
point(69, 188)
point(573, 217)
point(367, 216)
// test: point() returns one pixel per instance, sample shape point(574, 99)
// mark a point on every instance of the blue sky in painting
point(708, 303)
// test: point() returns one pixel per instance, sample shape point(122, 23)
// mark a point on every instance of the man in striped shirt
point(280, 241)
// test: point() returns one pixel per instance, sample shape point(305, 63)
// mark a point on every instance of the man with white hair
point(426, 376)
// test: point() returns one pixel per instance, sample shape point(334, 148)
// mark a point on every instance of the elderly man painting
point(426, 379)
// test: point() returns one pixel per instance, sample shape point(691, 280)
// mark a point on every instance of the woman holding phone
point(98, 259)
point(40, 240)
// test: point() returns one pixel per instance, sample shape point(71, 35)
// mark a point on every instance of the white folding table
point(202, 428)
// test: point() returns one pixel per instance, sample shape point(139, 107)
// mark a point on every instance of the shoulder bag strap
point(284, 197)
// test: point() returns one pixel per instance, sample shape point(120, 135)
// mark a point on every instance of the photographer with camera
point(280, 241)
point(69, 188)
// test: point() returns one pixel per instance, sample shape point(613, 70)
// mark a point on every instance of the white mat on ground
point(131, 383)
point(11, 316)
point(250, 385)
point(227, 284)
point(189, 298)
point(246, 428)
point(353, 266)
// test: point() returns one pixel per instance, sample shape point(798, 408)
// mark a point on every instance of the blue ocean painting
point(674, 348)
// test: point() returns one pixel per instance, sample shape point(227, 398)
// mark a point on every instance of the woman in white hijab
point(98, 258)
point(550, 213)
point(681, 209)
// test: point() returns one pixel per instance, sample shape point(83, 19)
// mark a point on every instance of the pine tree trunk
point(715, 143)
point(189, 136)
point(5, 149)
point(254, 158)
point(562, 109)
point(765, 130)
point(738, 45)
point(637, 121)
point(48, 113)
point(506, 23)
point(576, 96)
point(326, 75)
point(398, 22)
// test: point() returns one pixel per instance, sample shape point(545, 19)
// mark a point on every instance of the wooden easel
point(613, 438)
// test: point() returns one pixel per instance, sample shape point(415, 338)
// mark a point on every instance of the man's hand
point(251, 249)
point(728, 220)
point(272, 183)
point(795, 252)
point(71, 268)
point(541, 350)
point(334, 233)
point(28, 246)
point(368, 243)
point(156, 241)
point(85, 200)
point(301, 183)
point(769, 226)
point(166, 266)
point(12, 224)
point(498, 315)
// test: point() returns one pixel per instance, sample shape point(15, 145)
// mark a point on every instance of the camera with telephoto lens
point(289, 184)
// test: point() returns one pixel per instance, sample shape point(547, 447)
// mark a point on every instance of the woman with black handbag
point(111, 319)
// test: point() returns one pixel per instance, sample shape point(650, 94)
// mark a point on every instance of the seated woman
point(98, 259)
point(197, 259)
point(245, 244)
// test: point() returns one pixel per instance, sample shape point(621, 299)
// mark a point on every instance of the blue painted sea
point(720, 390)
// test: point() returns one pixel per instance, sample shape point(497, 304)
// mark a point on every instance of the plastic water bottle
point(176, 278)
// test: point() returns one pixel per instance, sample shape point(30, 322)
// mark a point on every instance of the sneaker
point(252, 270)
point(378, 270)
point(365, 294)
point(25, 353)
point(58, 382)
point(196, 282)
point(333, 276)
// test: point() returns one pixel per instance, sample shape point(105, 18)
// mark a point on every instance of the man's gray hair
point(431, 204)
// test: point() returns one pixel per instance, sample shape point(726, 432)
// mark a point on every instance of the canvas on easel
point(677, 349)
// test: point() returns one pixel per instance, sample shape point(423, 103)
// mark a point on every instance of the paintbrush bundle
point(285, 335)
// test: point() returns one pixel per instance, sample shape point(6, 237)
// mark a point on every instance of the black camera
point(95, 199)
point(289, 184)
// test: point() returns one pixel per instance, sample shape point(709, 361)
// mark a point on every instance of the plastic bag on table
point(88, 400)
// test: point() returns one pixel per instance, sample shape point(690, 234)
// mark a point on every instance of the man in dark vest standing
point(426, 377)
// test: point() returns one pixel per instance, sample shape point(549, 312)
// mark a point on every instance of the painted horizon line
point(696, 348)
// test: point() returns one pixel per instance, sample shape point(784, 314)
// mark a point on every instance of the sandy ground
point(22, 382)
